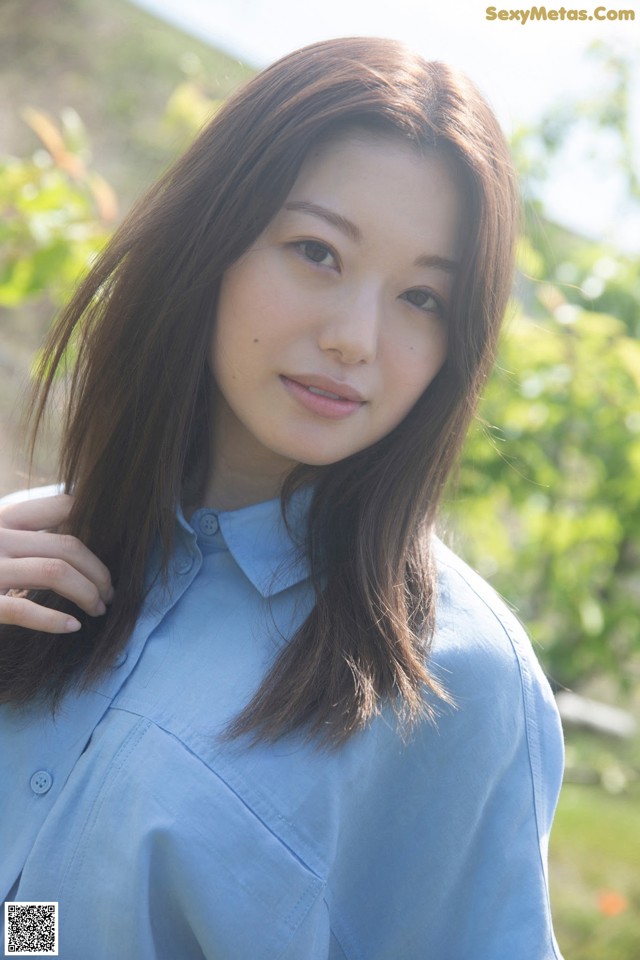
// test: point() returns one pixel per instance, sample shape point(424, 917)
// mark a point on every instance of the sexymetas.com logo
point(546, 13)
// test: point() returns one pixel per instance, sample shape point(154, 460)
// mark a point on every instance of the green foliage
point(547, 501)
point(54, 214)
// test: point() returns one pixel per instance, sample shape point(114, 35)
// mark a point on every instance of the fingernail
point(100, 608)
point(72, 624)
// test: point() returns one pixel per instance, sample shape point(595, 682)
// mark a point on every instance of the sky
point(522, 68)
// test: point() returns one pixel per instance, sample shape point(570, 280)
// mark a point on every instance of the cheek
point(254, 310)
point(437, 350)
point(236, 331)
point(418, 360)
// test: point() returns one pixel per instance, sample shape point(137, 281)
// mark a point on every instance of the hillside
point(115, 64)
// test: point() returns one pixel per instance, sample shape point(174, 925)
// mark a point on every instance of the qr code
point(31, 929)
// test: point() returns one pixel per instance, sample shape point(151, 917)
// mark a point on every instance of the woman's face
point(333, 323)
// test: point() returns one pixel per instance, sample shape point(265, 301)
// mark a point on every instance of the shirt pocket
point(161, 859)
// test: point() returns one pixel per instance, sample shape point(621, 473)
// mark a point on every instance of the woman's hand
point(31, 558)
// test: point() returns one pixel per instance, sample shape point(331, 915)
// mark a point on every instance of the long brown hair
point(136, 424)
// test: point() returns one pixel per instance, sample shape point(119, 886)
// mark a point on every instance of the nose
point(351, 329)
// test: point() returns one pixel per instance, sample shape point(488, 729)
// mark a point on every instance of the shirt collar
point(256, 536)
point(271, 557)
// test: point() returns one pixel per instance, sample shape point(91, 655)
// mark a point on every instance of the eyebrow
point(437, 263)
point(335, 219)
point(354, 233)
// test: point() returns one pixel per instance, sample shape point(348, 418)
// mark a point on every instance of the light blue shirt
point(158, 841)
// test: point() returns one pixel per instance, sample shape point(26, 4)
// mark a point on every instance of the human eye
point(424, 300)
point(316, 252)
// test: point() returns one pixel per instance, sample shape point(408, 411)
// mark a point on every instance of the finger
point(16, 544)
point(41, 513)
point(26, 613)
point(37, 573)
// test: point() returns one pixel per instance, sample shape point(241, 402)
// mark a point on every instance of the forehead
point(384, 183)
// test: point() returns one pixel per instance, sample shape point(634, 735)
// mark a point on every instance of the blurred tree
point(549, 509)
point(55, 213)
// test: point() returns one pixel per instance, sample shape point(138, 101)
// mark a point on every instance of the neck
point(229, 489)
point(241, 471)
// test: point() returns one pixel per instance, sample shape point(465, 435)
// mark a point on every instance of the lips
point(327, 386)
point(323, 396)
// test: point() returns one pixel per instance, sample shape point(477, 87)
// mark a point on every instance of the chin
point(316, 458)
point(303, 450)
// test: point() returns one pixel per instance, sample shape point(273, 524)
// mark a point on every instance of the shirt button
point(41, 781)
point(120, 659)
point(208, 524)
point(184, 564)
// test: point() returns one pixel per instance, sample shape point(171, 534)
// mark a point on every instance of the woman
point(286, 722)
